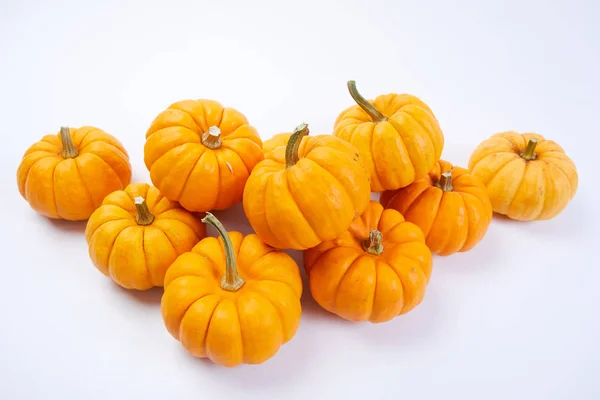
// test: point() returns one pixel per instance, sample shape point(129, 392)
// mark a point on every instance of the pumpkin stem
point(144, 216)
point(69, 150)
point(366, 105)
point(293, 145)
point(445, 182)
point(212, 138)
point(529, 153)
point(232, 280)
point(374, 244)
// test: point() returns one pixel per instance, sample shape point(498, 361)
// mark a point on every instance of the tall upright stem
point(445, 182)
point(366, 105)
point(293, 145)
point(144, 216)
point(232, 280)
point(374, 244)
point(212, 138)
point(69, 150)
point(529, 153)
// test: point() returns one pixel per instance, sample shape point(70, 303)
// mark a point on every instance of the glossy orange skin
point(230, 328)
point(72, 188)
point(525, 190)
point(452, 221)
point(359, 286)
point(185, 170)
point(397, 151)
point(314, 200)
point(137, 256)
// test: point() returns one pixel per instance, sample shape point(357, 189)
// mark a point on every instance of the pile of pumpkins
point(236, 299)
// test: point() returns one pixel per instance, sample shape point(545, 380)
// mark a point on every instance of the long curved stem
point(144, 216)
point(366, 105)
point(529, 153)
point(69, 150)
point(374, 244)
point(232, 280)
point(293, 145)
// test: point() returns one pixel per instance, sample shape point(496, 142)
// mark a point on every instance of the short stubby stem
point(293, 145)
point(69, 150)
point(445, 182)
point(374, 244)
point(212, 138)
point(366, 105)
point(143, 216)
point(232, 280)
point(529, 153)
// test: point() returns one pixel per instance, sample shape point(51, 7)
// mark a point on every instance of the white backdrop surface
point(515, 318)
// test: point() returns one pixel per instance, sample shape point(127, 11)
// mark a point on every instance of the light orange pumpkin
point(450, 206)
point(307, 191)
point(200, 154)
point(376, 270)
point(233, 300)
point(527, 177)
point(67, 175)
point(397, 135)
point(137, 234)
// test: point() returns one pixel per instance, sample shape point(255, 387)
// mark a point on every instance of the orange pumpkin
point(233, 300)
point(201, 154)
point(397, 135)
point(527, 177)
point(137, 234)
point(67, 175)
point(450, 205)
point(306, 192)
point(376, 270)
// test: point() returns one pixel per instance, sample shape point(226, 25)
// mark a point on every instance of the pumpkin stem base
point(144, 216)
point(212, 138)
point(374, 244)
point(69, 150)
point(529, 153)
point(445, 182)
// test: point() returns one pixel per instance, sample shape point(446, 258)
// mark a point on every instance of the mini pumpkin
point(397, 135)
point(307, 191)
point(527, 177)
point(67, 175)
point(137, 234)
point(376, 270)
point(200, 154)
point(233, 300)
point(450, 206)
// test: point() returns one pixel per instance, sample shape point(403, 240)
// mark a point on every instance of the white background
point(516, 318)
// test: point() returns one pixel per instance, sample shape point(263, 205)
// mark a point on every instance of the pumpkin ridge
point(158, 159)
point(287, 181)
point(437, 214)
point(465, 223)
point(149, 277)
point(345, 191)
point(29, 173)
point(402, 133)
point(84, 184)
point(545, 183)
point(114, 148)
point(187, 178)
point(562, 172)
point(52, 186)
point(104, 223)
point(417, 122)
point(175, 107)
point(497, 172)
point(372, 308)
point(412, 204)
point(211, 313)
point(339, 285)
point(518, 187)
point(110, 266)
point(123, 184)
point(266, 213)
point(277, 311)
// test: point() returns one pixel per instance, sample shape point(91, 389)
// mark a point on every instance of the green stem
point(69, 150)
point(293, 145)
point(445, 182)
point(529, 153)
point(212, 138)
point(144, 216)
point(232, 280)
point(366, 105)
point(374, 244)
